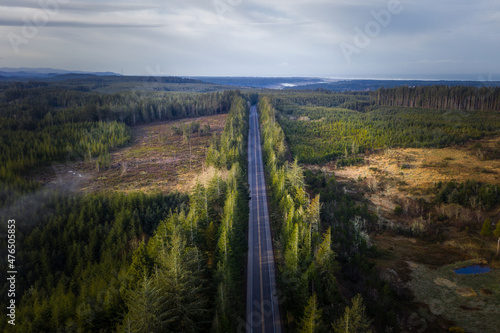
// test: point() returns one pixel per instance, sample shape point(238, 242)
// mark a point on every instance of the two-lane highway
point(262, 305)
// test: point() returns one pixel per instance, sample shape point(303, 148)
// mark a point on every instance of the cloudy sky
point(327, 38)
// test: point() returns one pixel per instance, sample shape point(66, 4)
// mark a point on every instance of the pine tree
point(313, 214)
point(181, 282)
point(325, 267)
point(291, 253)
point(311, 322)
point(295, 175)
point(354, 319)
point(144, 307)
point(142, 263)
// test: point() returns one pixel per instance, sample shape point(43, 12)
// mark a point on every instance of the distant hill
point(315, 83)
point(260, 82)
point(91, 82)
point(40, 73)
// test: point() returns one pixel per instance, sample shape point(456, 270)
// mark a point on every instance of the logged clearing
point(157, 160)
point(421, 168)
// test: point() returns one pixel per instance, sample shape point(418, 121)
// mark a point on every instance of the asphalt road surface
point(262, 302)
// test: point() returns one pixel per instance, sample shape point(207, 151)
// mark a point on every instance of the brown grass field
point(421, 168)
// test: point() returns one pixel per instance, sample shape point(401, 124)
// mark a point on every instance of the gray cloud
point(68, 24)
point(257, 37)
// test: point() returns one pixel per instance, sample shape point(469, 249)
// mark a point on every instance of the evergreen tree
point(354, 319)
point(311, 321)
point(145, 308)
point(180, 281)
point(325, 268)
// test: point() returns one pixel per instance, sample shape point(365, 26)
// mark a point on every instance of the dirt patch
point(405, 176)
point(486, 292)
point(397, 248)
point(157, 160)
point(466, 292)
point(445, 283)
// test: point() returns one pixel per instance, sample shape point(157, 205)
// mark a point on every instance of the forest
point(468, 194)
point(102, 262)
point(24, 105)
point(175, 262)
point(78, 250)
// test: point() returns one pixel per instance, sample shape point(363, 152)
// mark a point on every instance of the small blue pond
point(475, 269)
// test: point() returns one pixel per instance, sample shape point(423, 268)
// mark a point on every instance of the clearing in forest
point(159, 159)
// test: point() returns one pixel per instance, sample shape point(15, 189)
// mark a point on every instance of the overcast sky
point(327, 38)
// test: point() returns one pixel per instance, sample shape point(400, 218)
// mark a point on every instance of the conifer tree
point(145, 307)
point(311, 321)
point(354, 319)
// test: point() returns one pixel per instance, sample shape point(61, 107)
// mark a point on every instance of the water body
point(474, 269)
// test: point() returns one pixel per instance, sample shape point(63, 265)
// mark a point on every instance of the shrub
point(496, 233)
point(486, 229)
point(398, 210)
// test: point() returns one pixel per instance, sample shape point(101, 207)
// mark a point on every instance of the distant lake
point(475, 269)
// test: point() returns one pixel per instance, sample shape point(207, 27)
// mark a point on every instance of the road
point(262, 305)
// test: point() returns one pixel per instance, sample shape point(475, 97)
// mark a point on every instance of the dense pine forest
point(75, 253)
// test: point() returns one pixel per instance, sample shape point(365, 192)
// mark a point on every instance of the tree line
point(354, 101)
point(440, 97)
point(24, 106)
point(468, 194)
